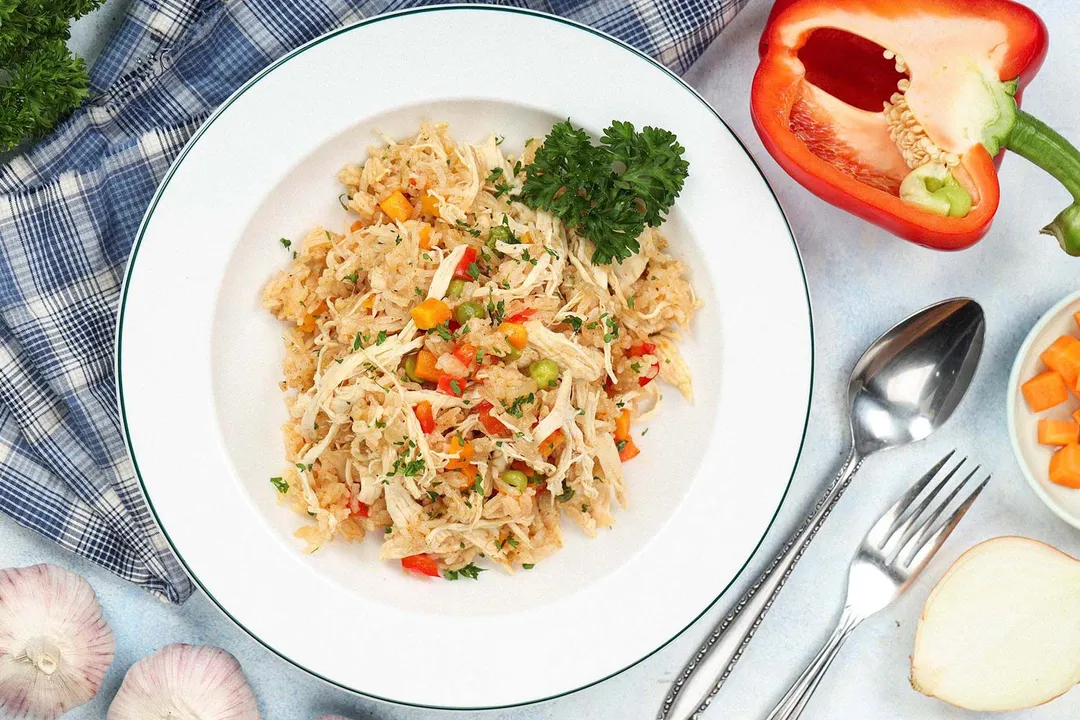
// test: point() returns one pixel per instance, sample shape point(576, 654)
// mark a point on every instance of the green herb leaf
point(578, 181)
point(280, 484)
point(285, 243)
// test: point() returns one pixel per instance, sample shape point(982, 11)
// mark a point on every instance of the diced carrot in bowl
point(1058, 432)
point(397, 206)
point(1065, 466)
point(1044, 391)
point(1063, 355)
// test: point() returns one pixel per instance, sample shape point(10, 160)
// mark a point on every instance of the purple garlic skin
point(185, 681)
point(55, 645)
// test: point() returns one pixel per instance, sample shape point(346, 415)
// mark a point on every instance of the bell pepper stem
point(1033, 139)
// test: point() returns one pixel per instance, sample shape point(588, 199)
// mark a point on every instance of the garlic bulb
point(55, 646)
point(185, 682)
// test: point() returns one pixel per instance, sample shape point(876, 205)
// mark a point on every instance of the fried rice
point(436, 435)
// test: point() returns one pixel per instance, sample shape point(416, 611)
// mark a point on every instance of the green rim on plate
point(210, 121)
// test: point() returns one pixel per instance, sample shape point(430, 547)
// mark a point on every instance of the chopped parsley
point(515, 407)
point(495, 173)
point(405, 466)
point(636, 367)
point(473, 271)
point(620, 445)
point(442, 331)
point(565, 495)
point(496, 310)
point(285, 243)
point(553, 254)
point(357, 342)
point(630, 302)
point(380, 338)
point(380, 424)
point(433, 495)
point(352, 277)
point(418, 291)
point(328, 238)
point(455, 387)
point(478, 485)
point(528, 566)
point(573, 321)
point(470, 571)
point(280, 484)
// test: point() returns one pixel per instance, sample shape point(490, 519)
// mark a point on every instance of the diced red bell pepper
point(425, 415)
point(361, 509)
point(492, 425)
point(648, 377)
point(522, 316)
point(423, 564)
point(450, 385)
point(466, 353)
point(639, 349)
point(467, 259)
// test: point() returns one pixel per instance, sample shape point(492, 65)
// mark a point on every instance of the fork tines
point(911, 533)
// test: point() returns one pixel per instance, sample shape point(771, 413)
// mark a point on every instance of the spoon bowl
point(911, 379)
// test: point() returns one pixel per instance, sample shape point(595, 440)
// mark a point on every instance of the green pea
point(545, 372)
point(457, 286)
point(516, 479)
point(499, 233)
point(410, 367)
point(468, 310)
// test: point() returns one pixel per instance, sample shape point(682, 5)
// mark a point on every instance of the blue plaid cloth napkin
point(69, 210)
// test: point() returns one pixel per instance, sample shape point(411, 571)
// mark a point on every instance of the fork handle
point(791, 705)
point(706, 672)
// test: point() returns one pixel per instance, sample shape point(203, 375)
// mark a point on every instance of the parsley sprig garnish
point(611, 191)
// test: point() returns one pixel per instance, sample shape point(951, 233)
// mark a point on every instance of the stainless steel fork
point(891, 555)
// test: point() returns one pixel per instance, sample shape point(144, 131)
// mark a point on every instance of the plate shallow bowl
point(1034, 459)
point(198, 366)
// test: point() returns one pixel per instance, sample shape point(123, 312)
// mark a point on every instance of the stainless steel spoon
point(905, 386)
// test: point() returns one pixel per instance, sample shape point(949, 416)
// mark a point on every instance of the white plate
point(1034, 459)
point(198, 366)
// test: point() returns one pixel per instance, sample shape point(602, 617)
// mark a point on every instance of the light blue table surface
point(861, 281)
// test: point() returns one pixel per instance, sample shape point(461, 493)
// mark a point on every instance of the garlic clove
point(55, 645)
point(1001, 631)
point(185, 681)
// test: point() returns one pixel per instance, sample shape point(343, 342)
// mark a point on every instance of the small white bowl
point(1034, 459)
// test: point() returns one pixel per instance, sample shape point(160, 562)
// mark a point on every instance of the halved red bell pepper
point(895, 111)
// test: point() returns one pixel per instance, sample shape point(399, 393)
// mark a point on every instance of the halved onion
point(1001, 630)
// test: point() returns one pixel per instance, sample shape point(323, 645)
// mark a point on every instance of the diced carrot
point(423, 564)
point(425, 366)
point(465, 269)
point(309, 320)
point(430, 313)
point(1044, 391)
point(1076, 417)
point(515, 334)
point(425, 236)
point(551, 442)
point(493, 426)
point(356, 226)
point(470, 472)
point(450, 385)
point(397, 207)
point(1063, 355)
point(622, 425)
point(425, 415)
point(627, 449)
point(464, 454)
point(1065, 466)
point(369, 302)
point(429, 204)
point(1058, 432)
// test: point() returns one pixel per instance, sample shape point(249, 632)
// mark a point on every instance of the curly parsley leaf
point(608, 192)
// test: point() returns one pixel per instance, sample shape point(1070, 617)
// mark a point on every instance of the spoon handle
point(702, 677)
